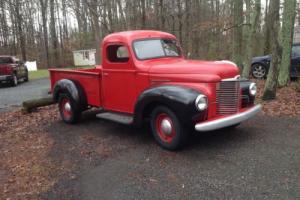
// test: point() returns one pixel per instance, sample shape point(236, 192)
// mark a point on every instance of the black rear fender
point(74, 89)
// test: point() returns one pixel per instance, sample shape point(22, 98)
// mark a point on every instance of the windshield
point(156, 48)
point(5, 60)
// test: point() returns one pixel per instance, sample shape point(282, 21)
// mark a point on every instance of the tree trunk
point(289, 14)
point(93, 6)
point(143, 13)
point(22, 38)
point(44, 6)
point(180, 22)
point(53, 33)
point(267, 45)
point(250, 39)
point(238, 32)
point(271, 83)
point(29, 106)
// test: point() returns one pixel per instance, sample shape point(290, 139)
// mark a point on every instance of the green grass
point(44, 73)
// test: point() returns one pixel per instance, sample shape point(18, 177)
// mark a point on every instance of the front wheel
point(259, 71)
point(167, 130)
point(68, 109)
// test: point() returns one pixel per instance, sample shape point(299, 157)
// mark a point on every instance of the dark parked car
point(12, 70)
point(260, 65)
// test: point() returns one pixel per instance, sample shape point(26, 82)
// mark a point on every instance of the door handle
point(105, 74)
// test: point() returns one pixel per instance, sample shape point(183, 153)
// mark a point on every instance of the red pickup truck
point(12, 70)
point(144, 77)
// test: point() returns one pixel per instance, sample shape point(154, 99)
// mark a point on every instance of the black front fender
point(247, 99)
point(181, 100)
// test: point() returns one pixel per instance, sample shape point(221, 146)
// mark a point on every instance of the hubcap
point(166, 127)
point(259, 71)
point(68, 107)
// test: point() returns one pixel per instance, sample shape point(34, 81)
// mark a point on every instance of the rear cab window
point(6, 60)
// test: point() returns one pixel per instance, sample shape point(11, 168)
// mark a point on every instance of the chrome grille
point(228, 97)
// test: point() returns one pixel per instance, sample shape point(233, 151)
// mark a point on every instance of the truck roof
point(130, 36)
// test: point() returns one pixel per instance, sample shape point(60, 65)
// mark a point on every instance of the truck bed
point(89, 79)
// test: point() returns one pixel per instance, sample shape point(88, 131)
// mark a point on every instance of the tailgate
point(90, 80)
point(4, 69)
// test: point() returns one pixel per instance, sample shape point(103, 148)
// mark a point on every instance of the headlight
point(201, 102)
point(253, 89)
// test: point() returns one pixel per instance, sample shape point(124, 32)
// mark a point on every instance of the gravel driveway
point(14, 96)
point(258, 160)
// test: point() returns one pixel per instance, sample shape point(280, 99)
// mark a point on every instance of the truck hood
point(192, 70)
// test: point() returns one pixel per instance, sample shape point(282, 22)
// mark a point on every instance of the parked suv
point(12, 70)
point(261, 64)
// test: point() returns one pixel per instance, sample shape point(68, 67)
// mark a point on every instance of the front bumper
point(6, 78)
point(228, 121)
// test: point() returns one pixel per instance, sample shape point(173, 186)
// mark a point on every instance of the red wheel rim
point(165, 128)
point(65, 107)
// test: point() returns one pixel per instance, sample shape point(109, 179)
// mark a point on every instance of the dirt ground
point(43, 158)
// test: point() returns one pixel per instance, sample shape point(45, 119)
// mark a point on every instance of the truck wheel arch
point(177, 98)
point(74, 89)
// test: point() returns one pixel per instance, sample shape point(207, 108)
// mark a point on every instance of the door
point(119, 89)
point(295, 62)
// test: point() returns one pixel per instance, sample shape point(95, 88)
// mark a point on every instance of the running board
point(116, 117)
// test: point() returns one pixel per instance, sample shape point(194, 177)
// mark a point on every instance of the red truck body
point(90, 79)
point(122, 82)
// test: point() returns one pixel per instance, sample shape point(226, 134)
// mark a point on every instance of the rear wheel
point(68, 109)
point(167, 129)
point(14, 81)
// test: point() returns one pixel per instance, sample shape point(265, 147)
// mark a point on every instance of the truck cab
point(144, 78)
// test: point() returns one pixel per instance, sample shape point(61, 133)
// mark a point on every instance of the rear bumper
point(228, 121)
point(6, 78)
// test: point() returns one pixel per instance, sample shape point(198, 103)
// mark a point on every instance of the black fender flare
point(74, 89)
point(179, 99)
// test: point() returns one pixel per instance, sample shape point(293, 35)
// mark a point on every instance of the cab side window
point(117, 54)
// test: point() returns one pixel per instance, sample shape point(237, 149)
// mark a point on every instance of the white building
point(84, 57)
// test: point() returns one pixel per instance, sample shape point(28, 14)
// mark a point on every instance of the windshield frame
point(157, 57)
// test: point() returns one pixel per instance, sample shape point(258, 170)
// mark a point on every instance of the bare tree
point(288, 22)
point(250, 40)
point(237, 32)
point(271, 84)
point(54, 38)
